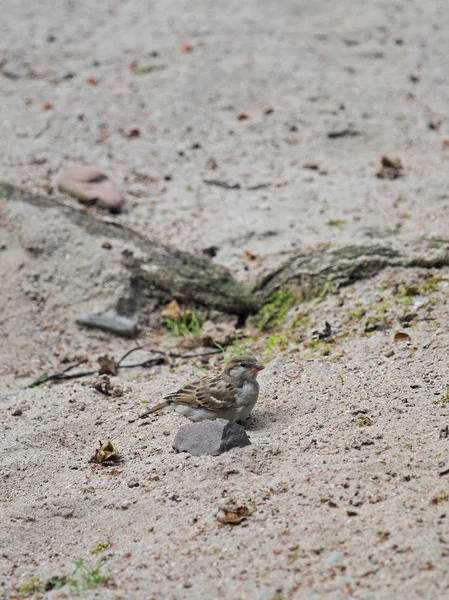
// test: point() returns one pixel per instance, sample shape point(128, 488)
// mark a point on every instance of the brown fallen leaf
point(391, 168)
point(47, 106)
point(134, 133)
point(233, 516)
point(173, 311)
point(105, 454)
point(401, 336)
point(186, 47)
point(249, 255)
point(92, 81)
point(108, 366)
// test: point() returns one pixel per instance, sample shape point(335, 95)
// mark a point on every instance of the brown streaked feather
point(154, 409)
point(213, 394)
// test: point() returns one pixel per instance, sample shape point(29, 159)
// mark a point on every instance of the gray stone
point(210, 437)
point(119, 325)
point(89, 185)
point(334, 558)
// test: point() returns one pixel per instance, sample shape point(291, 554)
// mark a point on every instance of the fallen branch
point(311, 274)
point(61, 375)
point(64, 375)
point(167, 274)
point(164, 272)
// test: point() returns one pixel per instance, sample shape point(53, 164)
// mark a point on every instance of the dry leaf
point(173, 311)
point(133, 133)
point(391, 168)
point(401, 336)
point(105, 454)
point(211, 163)
point(92, 81)
point(47, 106)
point(242, 117)
point(249, 255)
point(233, 516)
point(140, 69)
point(186, 47)
point(108, 366)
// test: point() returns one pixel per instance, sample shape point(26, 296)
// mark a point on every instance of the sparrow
point(231, 395)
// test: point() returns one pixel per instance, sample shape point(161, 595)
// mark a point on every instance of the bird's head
point(244, 367)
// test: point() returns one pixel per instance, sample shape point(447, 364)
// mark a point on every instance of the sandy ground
point(346, 476)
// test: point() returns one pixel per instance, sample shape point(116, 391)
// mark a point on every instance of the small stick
point(63, 375)
point(60, 375)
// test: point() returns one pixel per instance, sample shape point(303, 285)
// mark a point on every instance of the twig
point(60, 375)
point(222, 184)
point(259, 186)
point(127, 354)
point(208, 353)
point(348, 132)
point(63, 375)
point(146, 363)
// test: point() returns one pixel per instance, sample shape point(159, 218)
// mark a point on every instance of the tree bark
point(164, 272)
point(167, 273)
point(308, 274)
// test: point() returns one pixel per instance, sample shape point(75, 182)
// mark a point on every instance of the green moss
point(274, 345)
point(275, 310)
point(300, 322)
point(336, 222)
point(238, 347)
point(357, 313)
point(323, 290)
point(383, 307)
point(409, 290)
point(314, 344)
point(31, 586)
point(317, 291)
point(431, 284)
point(319, 348)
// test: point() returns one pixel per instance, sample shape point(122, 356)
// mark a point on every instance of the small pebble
point(17, 412)
point(334, 558)
point(89, 185)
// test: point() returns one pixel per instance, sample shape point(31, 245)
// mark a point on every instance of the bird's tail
point(154, 409)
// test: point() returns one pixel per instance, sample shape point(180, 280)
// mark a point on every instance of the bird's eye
point(244, 365)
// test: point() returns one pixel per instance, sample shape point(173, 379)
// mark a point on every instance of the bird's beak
point(257, 367)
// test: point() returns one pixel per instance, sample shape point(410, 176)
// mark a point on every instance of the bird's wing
point(216, 393)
